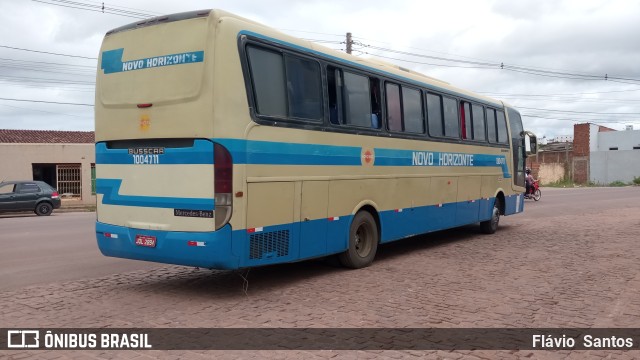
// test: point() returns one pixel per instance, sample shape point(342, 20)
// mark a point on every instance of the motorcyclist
point(528, 181)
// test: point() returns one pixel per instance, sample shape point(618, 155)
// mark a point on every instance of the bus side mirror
point(530, 143)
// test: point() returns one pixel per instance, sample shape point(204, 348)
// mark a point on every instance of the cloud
point(572, 36)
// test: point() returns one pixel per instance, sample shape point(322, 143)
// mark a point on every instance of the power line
point(564, 94)
point(515, 68)
point(96, 8)
point(576, 112)
point(45, 102)
point(48, 53)
point(581, 120)
point(44, 111)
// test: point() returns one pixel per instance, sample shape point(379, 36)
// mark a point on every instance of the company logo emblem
point(23, 339)
point(367, 157)
point(145, 122)
point(112, 61)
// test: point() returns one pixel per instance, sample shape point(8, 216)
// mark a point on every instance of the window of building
point(69, 180)
point(93, 179)
point(285, 85)
point(613, 148)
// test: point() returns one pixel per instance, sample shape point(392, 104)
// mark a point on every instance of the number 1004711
point(146, 159)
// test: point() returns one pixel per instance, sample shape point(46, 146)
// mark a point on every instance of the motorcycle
point(534, 192)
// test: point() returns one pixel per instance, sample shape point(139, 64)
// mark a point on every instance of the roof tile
point(46, 137)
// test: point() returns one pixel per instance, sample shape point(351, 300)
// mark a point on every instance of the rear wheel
point(44, 209)
point(363, 242)
point(537, 195)
point(491, 226)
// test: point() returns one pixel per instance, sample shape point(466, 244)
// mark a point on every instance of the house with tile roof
point(63, 159)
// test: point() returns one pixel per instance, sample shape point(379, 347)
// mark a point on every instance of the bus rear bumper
point(211, 250)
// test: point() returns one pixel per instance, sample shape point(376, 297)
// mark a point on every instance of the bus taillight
point(223, 184)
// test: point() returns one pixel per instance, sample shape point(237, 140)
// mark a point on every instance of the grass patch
point(618, 183)
point(561, 183)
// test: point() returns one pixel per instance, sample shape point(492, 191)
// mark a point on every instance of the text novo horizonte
point(165, 60)
point(426, 158)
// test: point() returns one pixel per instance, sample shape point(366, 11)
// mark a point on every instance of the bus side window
point(354, 99)
point(394, 112)
point(434, 115)
point(450, 110)
point(502, 128)
point(478, 123)
point(376, 103)
point(491, 125)
point(334, 85)
point(304, 88)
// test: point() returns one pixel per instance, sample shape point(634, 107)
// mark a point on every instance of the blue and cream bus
point(222, 143)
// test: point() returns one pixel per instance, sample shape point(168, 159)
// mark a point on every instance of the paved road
point(60, 247)
point(570, 261)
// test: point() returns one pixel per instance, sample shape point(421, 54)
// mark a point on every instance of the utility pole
point(349, 43)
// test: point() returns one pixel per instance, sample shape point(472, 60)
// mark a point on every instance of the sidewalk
point(73, 205)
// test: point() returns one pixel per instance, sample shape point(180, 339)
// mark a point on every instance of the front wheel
point(363, 242)
point(537, 195)
point(491, 226)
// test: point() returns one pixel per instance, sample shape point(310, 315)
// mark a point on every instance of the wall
point(16, 161)
point(609, 166)
point(550, 166)
point(623, 140)
point(550, 172)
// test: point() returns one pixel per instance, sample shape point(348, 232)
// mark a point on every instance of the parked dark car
point(36, 196)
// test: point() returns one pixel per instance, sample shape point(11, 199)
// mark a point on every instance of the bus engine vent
point(269, 245)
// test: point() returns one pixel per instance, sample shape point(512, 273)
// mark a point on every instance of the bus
point(224, 144)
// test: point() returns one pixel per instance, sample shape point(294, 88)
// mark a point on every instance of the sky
point(559, 62)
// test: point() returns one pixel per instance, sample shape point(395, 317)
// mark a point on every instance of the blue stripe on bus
point(231, 249)
point(110, 189)
point(200, 153)
point(281, 153)
point(254, 152)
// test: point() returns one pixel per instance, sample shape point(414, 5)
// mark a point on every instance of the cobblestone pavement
point(567, 271)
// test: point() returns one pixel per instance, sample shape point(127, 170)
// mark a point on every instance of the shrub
point(636, 180)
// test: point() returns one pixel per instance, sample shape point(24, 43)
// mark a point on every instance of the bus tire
point(363, 242)
point(491, 226)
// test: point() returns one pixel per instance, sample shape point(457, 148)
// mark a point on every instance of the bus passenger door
point(313, 218)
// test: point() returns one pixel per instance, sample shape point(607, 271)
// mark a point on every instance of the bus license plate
point(144, 240)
